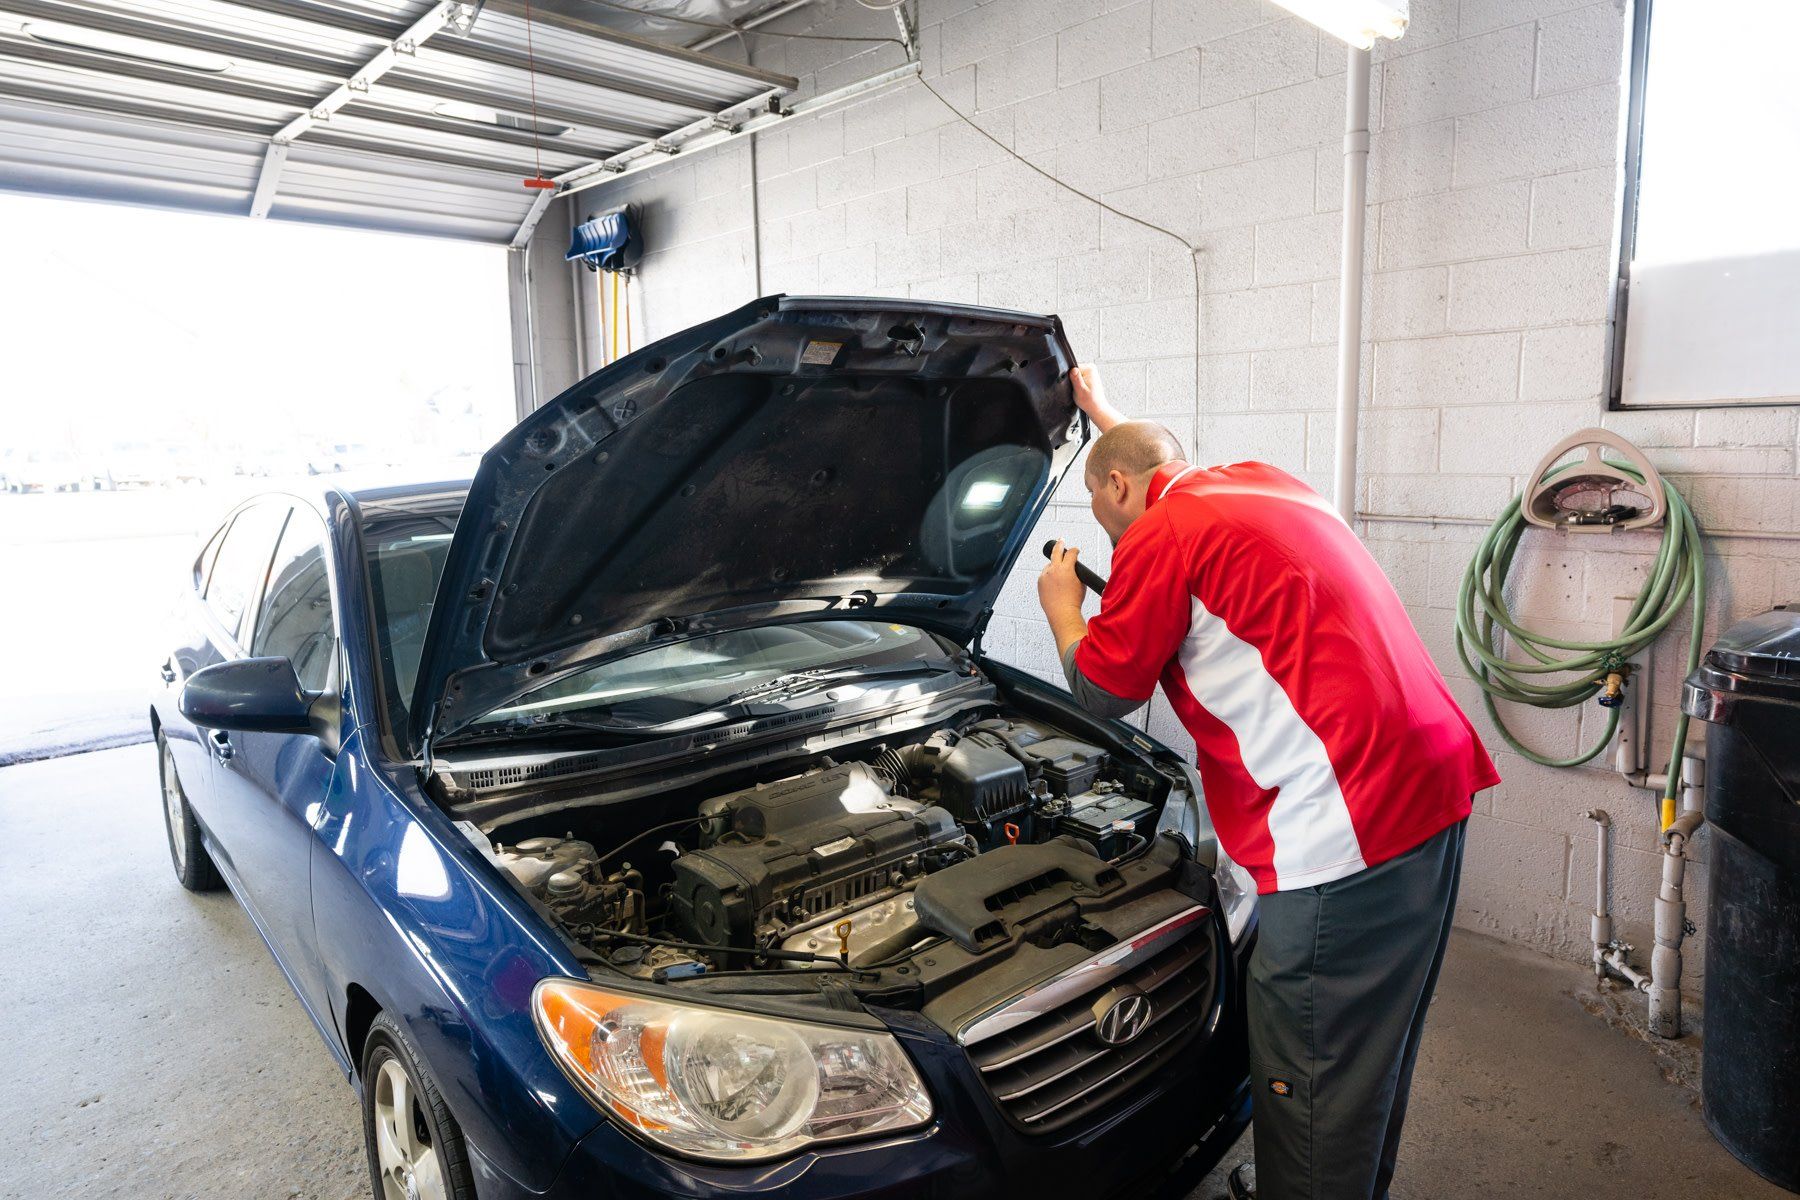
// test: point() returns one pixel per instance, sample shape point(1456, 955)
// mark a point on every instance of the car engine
point(859, 861)
point(785, 854)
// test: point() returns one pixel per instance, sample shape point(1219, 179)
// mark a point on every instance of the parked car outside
point(645, 817)
point(44, 471)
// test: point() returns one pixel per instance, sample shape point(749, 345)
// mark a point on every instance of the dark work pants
point(1339, 984)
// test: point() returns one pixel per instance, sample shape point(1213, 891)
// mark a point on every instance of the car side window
point(243, 564)
point(294, 619)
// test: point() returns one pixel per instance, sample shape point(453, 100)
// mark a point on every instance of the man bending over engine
point(1338, 771)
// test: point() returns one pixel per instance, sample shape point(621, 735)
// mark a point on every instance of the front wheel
point(415, 1149)
point(193, 865)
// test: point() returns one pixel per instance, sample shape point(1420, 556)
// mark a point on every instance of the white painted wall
point(1494, 174)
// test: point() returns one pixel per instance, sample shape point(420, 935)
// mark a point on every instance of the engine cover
point(783, 852)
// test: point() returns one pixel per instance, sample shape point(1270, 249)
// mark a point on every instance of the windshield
point(705, 674)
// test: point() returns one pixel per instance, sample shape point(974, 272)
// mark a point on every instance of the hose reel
point(1595, 495)
point(1592, 494)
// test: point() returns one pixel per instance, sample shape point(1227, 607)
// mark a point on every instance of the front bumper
point(1175, 1129)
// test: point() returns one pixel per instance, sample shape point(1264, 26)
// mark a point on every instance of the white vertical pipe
point(1350, 285)
point(524, 343)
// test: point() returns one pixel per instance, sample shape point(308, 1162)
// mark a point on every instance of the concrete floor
point(153, 1049)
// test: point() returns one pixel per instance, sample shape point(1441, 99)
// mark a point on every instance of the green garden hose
point(1677, 578)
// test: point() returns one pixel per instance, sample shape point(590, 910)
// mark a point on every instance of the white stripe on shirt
point(1173, 480)
point(1308, 819)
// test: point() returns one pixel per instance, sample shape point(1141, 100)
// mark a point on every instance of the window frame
point(1638, 79)
point(1636, 88)
point(229, 641)
point(209, 554)
point(321, 534)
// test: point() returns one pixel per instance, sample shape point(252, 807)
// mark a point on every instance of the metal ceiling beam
point(713, 131)
point(702, 135)
point(332, 17)
point(407, 43)
point(369, 108)
point(539, 205)
point(497, 56)
point(223, 85)
point(328, 67)
point(263, 199)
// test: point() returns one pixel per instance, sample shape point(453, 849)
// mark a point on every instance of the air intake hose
point(1677, 579)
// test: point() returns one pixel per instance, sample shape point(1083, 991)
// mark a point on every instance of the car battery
point(1109, 821)
point(1069, 767)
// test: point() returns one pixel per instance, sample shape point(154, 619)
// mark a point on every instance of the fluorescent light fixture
point(489, 116)
point(82, 38)
point(1358, 22)
point(985, 495)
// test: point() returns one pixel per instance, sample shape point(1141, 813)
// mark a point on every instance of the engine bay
point(976, 837)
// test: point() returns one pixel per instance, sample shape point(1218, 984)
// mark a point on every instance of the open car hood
point(798, 458)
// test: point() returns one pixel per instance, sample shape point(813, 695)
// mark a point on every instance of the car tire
point(193, 865)
point(415, 1148)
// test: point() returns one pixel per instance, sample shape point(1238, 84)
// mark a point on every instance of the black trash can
point(1748, 690)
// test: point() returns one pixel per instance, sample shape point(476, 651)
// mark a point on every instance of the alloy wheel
point(175, 809)
point(409, 1168)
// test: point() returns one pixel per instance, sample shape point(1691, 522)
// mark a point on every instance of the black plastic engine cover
point(800, 847)
point(1066, 767)
point(976, 903)
point(1019, 914)
point(975, 778)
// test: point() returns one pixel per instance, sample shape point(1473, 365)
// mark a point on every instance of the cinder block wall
point(1495, 172)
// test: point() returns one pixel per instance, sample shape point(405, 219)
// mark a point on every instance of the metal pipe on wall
point(1350, 283)
point(1600, 927)
point(1671, 928)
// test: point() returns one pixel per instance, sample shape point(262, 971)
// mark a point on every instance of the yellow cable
point(612, 317)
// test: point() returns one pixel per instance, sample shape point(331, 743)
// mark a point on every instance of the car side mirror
point(250, 695)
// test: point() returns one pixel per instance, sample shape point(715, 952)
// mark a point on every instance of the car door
point(275, 784)
point(193, 643)
point(224, 614)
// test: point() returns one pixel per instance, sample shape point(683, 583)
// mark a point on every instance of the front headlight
point(1237, 892)
point(721, 1085)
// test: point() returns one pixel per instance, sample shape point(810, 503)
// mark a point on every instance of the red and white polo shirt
point(1327, 739)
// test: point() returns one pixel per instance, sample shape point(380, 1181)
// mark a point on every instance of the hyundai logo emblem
point(1121, 1015)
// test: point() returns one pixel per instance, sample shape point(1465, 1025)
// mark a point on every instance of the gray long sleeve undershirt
point(1091, 695)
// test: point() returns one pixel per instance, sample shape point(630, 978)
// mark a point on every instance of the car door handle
point(221, 745)
point(168, 672)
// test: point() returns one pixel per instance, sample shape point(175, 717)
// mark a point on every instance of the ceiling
point(382, 114)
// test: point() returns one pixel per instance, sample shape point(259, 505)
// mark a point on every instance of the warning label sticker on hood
point(820, 354)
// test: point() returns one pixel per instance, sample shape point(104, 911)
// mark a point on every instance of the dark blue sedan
point(645, 818)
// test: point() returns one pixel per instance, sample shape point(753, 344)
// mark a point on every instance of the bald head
point(1132, 448)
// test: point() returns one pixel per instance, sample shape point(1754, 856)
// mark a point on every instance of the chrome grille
point(1041, 1054)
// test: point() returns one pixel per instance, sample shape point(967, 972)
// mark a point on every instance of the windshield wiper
point(550, 727)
